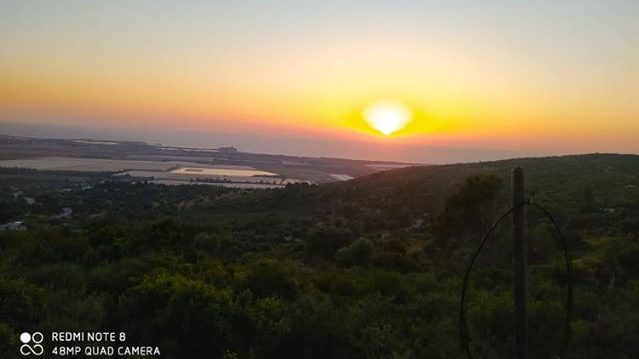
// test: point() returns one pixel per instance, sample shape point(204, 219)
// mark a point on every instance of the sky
point(481, 79)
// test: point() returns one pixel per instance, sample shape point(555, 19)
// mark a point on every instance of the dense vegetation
point(370, 268)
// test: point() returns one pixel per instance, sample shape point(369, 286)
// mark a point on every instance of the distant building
point(13, 226)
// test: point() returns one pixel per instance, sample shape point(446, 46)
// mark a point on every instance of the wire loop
point(464, 332)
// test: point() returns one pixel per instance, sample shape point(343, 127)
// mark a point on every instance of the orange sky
point(512, 78)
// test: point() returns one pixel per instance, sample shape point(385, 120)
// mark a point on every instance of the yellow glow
point(387, 117)
point(442, 95)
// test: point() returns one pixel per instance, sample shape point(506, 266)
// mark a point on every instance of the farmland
point(89, 164)
point(161, 172)
point(137, 161)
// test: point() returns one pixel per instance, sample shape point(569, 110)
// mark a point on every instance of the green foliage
point(189, 318)
point(391, 254)
point(266, 278)
point(359, 253)
point(324, 241)
point(466, 212)
point(629, 259)
point(370, 268)
point(8, 342)
point(21, 303)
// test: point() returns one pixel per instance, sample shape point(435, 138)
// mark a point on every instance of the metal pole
point(520, 264)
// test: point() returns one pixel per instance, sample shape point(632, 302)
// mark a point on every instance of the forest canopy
point(369, 268)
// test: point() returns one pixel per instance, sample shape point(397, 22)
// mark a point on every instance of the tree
point(466, 212)
point(266, 278)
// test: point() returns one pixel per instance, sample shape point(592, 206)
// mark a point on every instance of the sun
point(387, 117)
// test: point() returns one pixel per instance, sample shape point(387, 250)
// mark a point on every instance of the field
point(90, 164)
point(112, 156)
point(162, 172)
point(221, 172)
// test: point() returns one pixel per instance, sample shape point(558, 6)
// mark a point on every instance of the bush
point(21, 303)
point(359, 253)
point(188, 318)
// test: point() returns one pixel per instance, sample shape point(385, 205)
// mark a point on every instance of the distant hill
point(610, 181)
point(613, 179)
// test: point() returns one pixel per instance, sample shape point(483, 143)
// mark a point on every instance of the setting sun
point(387, 117)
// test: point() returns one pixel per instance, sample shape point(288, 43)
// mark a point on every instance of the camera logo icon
point(31, 344)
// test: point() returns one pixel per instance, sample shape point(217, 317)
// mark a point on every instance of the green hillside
point(369, 268)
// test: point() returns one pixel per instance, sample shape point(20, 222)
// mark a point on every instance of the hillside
point(368, 268)
point(608, 182)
